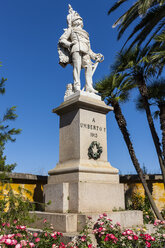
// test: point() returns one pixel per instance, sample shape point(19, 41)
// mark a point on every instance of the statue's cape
point(64, 56)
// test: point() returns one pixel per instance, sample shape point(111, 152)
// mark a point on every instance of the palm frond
point(161, 2)
point(116, 5)
point(145, 5)
point(156, 114)
point(157, 53)
point(139, 103)
point(161, 37)
point(147, 24)
point(115, 87)
point(155, 33)
point(127, 19)
point(156, 91)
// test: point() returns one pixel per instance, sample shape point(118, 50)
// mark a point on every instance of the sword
point(94, 66)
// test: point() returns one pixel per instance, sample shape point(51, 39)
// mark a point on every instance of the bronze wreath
point(95, 155)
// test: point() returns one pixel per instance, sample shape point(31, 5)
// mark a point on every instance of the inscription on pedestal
point(94, 128)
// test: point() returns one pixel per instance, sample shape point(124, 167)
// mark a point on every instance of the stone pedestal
point(80, 186)
point(79, 183)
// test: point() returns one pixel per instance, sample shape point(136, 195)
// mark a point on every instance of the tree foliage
point(115, 90)
point(157, 52)
point(156, 97)
point(6, 132)
point(156, 94)
point(151, 14)
point(134, 64)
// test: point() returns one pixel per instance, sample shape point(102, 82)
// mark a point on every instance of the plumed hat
point(72, 16)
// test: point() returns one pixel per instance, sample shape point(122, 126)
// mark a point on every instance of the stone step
point(72, 222)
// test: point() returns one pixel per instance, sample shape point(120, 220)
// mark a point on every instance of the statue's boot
point(76, 87)
point(91, 89)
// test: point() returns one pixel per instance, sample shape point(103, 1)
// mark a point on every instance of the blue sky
point(36, 82)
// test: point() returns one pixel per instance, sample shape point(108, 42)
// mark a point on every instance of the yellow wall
point(158, 192)
point(33, 192)
point(36, 190)
point(159, 195)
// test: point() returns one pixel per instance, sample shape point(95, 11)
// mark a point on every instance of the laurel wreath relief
point(91, 150)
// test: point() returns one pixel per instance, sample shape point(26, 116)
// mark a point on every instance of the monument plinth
point(83, 121)
point(83, 180)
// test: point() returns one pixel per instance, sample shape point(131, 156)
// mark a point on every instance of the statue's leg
point(76, 60)
point(87, 64)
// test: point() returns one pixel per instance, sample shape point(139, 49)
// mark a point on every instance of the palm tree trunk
point(144, 93)
point(123, 127)
point(162, 126)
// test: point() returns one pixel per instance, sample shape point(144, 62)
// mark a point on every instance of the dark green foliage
point(115, 88)
point(151, 16)
point(134, 64)
point(163, 212)
point(6, 133)
point(14, 206)
point(2, 87)
point(156, 94)
point(157, 52)
point(141, 203)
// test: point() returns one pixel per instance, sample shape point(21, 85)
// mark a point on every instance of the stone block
point(84, 197)
point(86, 176)
point(66, 223)
point(58, 194)
point(127, 219)
point(95, 197)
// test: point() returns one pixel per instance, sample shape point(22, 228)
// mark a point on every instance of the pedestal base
point(72, 223)
point(84, 197)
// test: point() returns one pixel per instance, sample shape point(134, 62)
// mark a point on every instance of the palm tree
point(132, 63)
point(152, 23)
point(156, 97)
point(115, 90)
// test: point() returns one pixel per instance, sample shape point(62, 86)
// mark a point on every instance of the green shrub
point(14, 206)
point(137, 202)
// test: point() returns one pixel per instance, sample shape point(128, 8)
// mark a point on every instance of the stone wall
point(32, 183)
point(35, 183)
point(155, 184)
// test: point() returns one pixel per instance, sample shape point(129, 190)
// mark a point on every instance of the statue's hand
point(99, 57)
point(73, 43)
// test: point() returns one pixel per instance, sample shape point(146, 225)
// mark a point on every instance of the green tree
point(152, 19)
point(115, 90)
point(156, 97)
point(139, 71)
point(6, 133)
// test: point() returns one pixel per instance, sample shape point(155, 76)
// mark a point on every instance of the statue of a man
point(74, 48)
